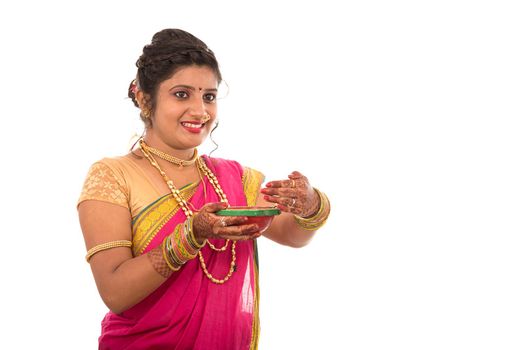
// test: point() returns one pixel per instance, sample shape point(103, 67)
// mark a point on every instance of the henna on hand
point(156, 257)
point(294, 195)
point(204, 221)
point(206, 224)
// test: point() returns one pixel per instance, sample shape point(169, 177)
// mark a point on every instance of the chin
point(193, 144)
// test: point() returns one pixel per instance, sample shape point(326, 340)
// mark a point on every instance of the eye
point(181, 94)
point(210, 97)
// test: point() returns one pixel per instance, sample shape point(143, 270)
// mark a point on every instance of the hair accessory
point(134, 86)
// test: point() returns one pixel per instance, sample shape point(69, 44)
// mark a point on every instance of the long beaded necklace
point(189, 213)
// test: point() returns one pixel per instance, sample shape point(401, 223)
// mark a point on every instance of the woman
point(173, 273)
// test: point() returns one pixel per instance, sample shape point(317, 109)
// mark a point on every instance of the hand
point(206, 224)
point(294, 196)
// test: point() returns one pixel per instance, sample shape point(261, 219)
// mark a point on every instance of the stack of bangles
point(180, 246)
point(319, 219)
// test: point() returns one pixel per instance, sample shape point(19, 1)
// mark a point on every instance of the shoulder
point(119, 164)
point(120, 167)
point(106, 181)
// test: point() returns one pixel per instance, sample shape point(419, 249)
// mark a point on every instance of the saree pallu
point(188, 311)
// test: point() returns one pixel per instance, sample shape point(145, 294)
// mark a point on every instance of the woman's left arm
point(304, 210)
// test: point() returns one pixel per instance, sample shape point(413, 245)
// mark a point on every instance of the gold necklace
point(172, 159)
point(189, 213)
point(214, 182)
point(208, 173)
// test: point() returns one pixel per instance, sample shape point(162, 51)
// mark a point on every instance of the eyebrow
point(190, 87)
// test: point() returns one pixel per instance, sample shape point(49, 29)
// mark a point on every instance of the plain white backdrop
point(408, 114)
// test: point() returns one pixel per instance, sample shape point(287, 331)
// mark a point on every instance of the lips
point(193, 126)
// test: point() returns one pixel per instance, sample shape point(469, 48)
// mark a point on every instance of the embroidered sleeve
point(103, 185)
point(252, 180)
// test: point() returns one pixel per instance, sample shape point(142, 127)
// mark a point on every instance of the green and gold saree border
point(153, 217)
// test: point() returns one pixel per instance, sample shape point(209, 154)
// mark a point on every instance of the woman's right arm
point(122, 280)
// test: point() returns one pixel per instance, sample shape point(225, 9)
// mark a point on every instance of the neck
point(155, 142)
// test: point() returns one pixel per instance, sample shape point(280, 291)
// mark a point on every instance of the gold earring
point(146, 114)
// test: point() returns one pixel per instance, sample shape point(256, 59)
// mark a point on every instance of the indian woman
point(173, 272)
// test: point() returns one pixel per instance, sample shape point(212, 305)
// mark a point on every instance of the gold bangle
point(179, 246)
point(191, 236)
point(169, 262)
point(319, 218)
point(170, 253)
point(166, 259)
point(108, 245)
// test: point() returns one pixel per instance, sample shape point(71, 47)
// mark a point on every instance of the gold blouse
point(122, 182)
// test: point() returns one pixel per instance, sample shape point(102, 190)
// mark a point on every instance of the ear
point(143, 100)
point(139, 96)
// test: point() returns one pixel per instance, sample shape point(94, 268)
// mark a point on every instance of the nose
point(198, 107)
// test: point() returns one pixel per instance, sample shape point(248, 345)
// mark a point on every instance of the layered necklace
point(177, 161)
point(202, 167)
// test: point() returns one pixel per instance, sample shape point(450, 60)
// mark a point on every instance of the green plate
point(248, 211)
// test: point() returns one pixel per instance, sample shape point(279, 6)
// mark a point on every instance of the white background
point(408, 114)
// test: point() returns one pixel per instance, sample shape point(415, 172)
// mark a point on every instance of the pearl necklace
point(189, 213)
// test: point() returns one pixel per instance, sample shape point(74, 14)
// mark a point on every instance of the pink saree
point(188, 311)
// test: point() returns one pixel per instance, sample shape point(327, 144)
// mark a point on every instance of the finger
point(284, 208)
point(295, 210)
point(253, 235)
point(295, 175)
point(284, 201)
point(238, 230)
point(218, 225)
point(214, 207)
point(275, 184)
point(232, 220)
point(222, 222)
point(281, 183)
point(281, 192)
point(287, 205)
point(273, 199)
point(290, 209)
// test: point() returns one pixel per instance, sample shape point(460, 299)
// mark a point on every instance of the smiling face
point(185, 109)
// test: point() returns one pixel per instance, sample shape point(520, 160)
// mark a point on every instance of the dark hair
point(169, 51)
